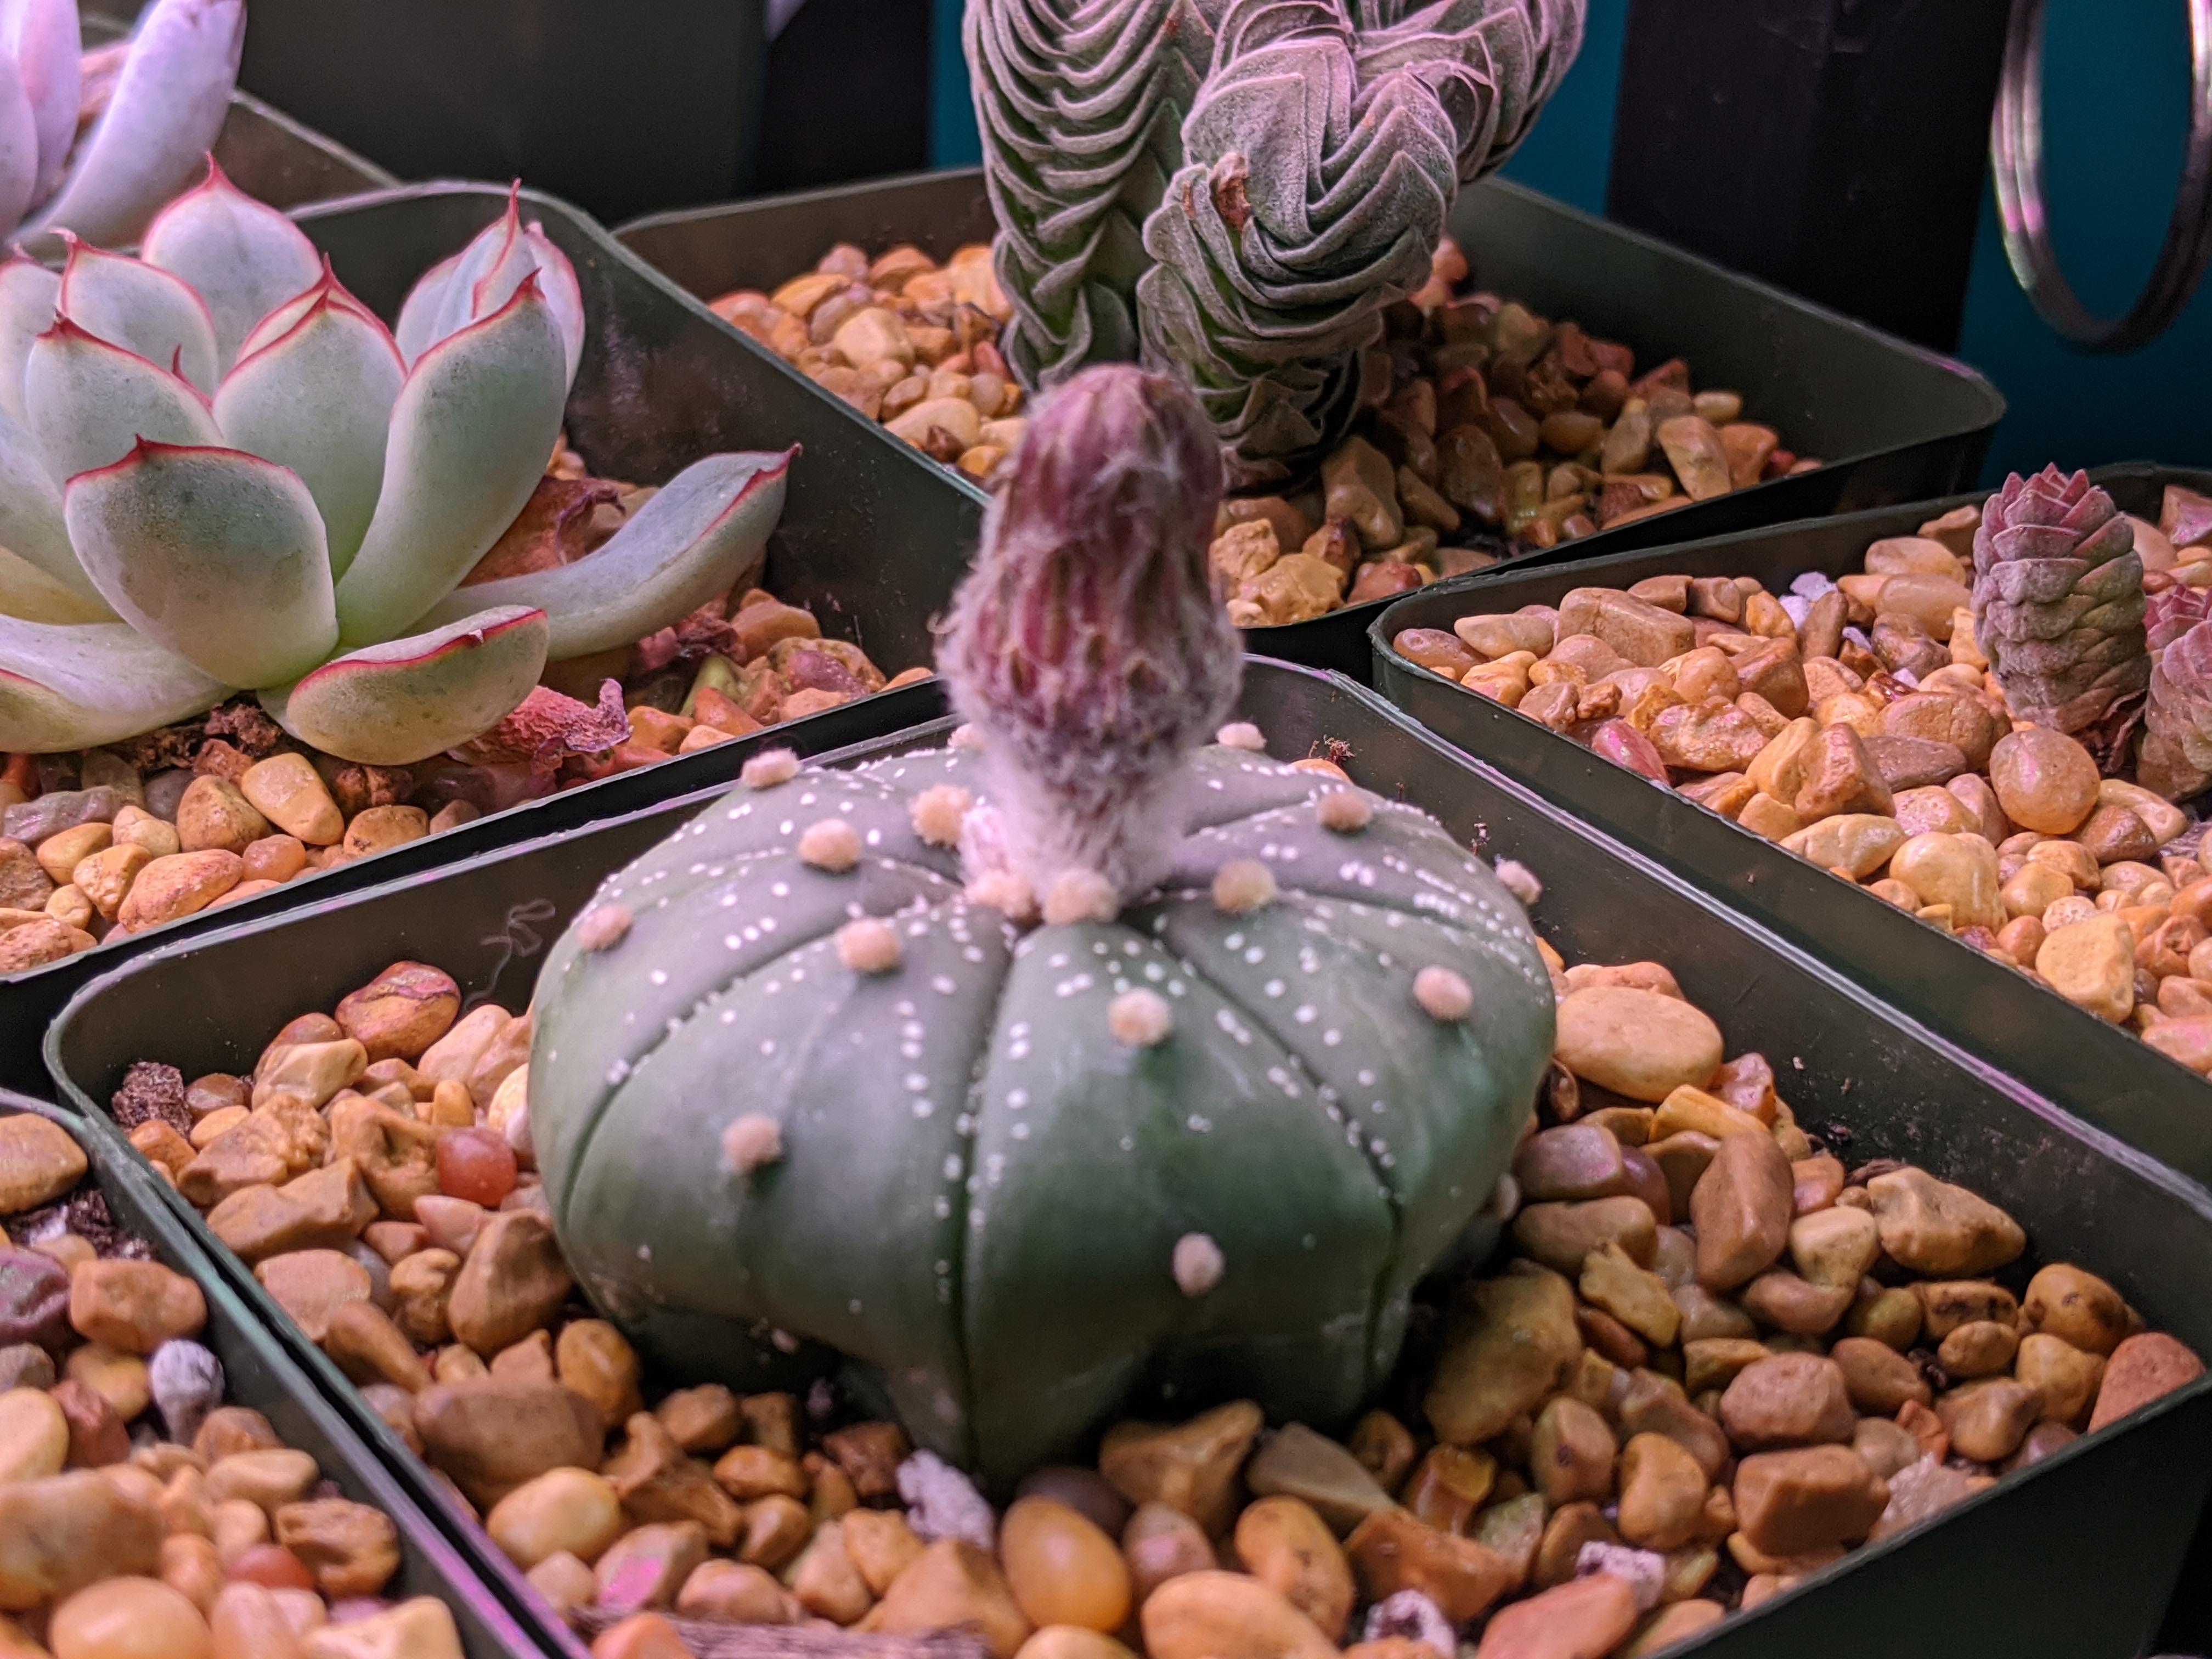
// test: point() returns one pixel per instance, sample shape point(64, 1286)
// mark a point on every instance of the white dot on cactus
point(830, 844)
point(1139, 1019)
point(1343, 810)
point(768, 769)
point(603, 926)
point(870, 946)
point(1241, 886)
point(1198, 1263)
point(964, 736)
point(1443, 993)
point(751, 1142)
point(1518, 880)
point(1241, 734)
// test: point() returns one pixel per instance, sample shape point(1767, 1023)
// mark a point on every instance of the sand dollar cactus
point(2059, 606)
point(1081, 1058)
point(220, 471)
point(1306, 186)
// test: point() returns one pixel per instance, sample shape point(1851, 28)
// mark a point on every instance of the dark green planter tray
point(870, 538)
point(2109, 1076)
point(259, 1373)
point(1893, 422)
point(2118, 1508)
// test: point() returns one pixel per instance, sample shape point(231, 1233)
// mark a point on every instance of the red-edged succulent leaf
point(406, 700)
point(31, 528)
point(2186, 516)
point(318, 400)
point(89, 402)
point(694, 539)
point(473, 424)
point(242, 257)
point(140, 307)
point(163, 116)
point(420, 310)
point(548, 726)
point(2168, 615)
point(64, 688)
point(215, 554)
point(474, 283)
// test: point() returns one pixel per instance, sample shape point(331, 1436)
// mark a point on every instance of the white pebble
point(603, 926)
point(751, 1142)
point(1411, 1614)
point(830, 844)
point(768, 768)
point(1443, 993)
point(1518, 880)
point(1244, 885)
point(1346, 811)
point(1811, 585)
point(1140, 1018)
point(1795, 606)
point(1242, 734)
point(1199, 1264)
point(186, 1383)
point(943, 1503)
point(938, 810)
point(868, 945)
point(1080, 896)
point(1644, 1571)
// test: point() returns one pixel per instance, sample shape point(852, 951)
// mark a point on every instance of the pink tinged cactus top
point(1085, 646)
point(178, 71)
point(2058, 604)
point(218, 468)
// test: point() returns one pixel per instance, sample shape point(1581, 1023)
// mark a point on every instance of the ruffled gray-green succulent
point(1291, 162)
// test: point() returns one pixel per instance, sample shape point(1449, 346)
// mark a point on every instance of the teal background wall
point(2116, 109)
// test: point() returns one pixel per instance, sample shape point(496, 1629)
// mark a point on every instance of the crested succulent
point(2058, 606)
point(1198, 1125)
point(219, 471)
point(1302, 188)
point(162, 97)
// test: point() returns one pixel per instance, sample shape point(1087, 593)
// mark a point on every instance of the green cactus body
point(982, 1188)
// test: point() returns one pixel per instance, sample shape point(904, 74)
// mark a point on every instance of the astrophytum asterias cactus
point(2059, 606)
point(219, 471)
point(157, 118)
point(1287, 199)
point(815, 1068)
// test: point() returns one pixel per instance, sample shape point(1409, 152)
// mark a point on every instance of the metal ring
point(2016, 158)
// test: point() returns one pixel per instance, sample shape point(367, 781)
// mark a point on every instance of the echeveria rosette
point(1013, 1213)
point(2176, 757)
point(1322, 157)
point(219, 471)
point(2058, 606)
point(1080, 106)
point(167, 102)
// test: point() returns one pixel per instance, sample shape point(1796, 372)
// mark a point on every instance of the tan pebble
point(1815, 1498)
point(129, 1618)
point(39, 1161)
point(180, 885)
point(1064, 1570)
point(1223, 1615)
point(735, 1593)
point(1636, 1043)
point(566, 1509)
point(1590, 1616)
point(1072, 1642)
point(2066, 1377)
point(34, 1435)
point(939, 812)
point(1572, 1453)
point(954, 1583)
point(1502, 1357)
point(1878, 1379)
point(286, 790)
point(1158, 1543)
point(2142, 1369)
point(1663, 1493)
point(2045, 780)
point(2091, 964)
point(1192, 1467)
point(402, 1012)
point(1929, 1226)
point(134, 1306)
point(1676, 1622)
point(1787, 1399)
point(2076, 1306)
point(1742, 1205)
point(422, 1628)
point(1987, 1420)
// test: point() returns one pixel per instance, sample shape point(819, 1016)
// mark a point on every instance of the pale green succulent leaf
point(64, 688)
point(484, 277)
point(31, 524)
point(215, 554)
point(162, 117)
point(140, 307)
point(471, 433)
point(318, 400)
point(419, 311)
point(19, 147)
point(406, 700)
point(695, 538)
point(242, 257)
point(28, 592)
point(90, 402)
point(556, 277)
point(28, 295)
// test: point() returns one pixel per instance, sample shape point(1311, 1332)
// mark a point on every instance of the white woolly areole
point(1140, 1018)
point(1242, 734)
point(830, 844)
point(1411, 1614)
point(937, 812)
point(604, 927)
point(751, 1142)
point(1080, 896)
point(1443, 993)
point(1644, 1571)
point(1518, 880)
point(1199, 1264)
point(1327, 768)
point(1244, 885)
point(1346, 811)
point(768, 768)
point(943, 1503)
point(965, 736)
point(1007, 893)
point(868, 945)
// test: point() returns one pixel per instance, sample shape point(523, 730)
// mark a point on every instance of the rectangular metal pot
point(871, 538)
point(2118, 1508)
point(2063, 1053)
point(1894, 421)
point(267, 154)
point(259, 1373)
